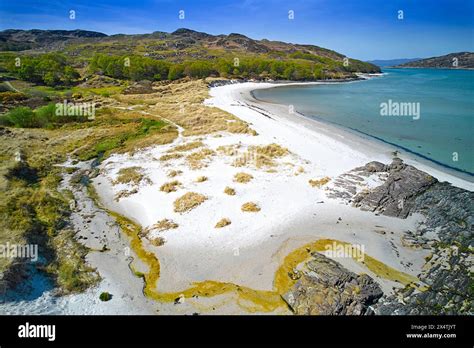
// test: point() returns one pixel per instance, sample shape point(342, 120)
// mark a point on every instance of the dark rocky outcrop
point(446, 230)
point(218, 83)
point(326, 288)
point(396, 197)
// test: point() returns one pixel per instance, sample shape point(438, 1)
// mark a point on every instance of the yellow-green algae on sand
point(249, 299)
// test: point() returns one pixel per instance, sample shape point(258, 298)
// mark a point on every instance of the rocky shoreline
point(447, 231)
point(326, 288)
point(221, 82)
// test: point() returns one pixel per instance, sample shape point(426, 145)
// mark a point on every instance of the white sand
point(230, 97)
point(249, 251)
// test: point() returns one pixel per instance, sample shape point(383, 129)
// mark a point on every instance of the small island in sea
point(459, 60)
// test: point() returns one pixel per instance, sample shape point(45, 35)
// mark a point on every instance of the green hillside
point(65, 58)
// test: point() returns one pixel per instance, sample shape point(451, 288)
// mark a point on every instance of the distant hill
point(180, 46)
point(392, 62)
point(20, 40)
point(53, 57)
point(459, 60)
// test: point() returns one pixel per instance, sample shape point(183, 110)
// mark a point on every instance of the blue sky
point(364, 29)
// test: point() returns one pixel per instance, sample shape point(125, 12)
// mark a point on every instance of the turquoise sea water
point(443, 133)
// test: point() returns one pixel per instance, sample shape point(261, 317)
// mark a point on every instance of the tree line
point(302, 67)
point(53, 69)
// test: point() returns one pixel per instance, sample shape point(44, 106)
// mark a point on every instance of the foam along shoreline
point(351, 137)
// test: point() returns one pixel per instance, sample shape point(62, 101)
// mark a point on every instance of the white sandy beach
point(373, 148)
point(251, 248)
point(249, 251)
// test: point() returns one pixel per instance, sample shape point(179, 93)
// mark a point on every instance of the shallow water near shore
point(442, 133)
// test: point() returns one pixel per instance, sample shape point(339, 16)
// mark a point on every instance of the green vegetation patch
point(51, 69)
point(105, 296)
point(43, 117)
point(32, 208)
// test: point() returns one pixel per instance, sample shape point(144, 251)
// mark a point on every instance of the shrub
point(176, 72)
point(43, 117)
point(22, 117)
point(105, 296)
point(46, 115)
point(5, 121)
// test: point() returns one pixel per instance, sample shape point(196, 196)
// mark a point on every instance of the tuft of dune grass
point(261, 156)
point(173, 173)
point(158, 241)
point(272, 150)
point(188, 201)
point(299, 170)
point(125, 193)
point(222, 223)
point(250, 207)
point(196, 159)
point(319, 182)
point(242, 178)
point(170, 156)
point(201, 178)
point(240, 127)
point(181, 102)
point(130, 175)
point(171, 186)
point(229, 191)
point(162, 225)
point(187, 147)
point(228, 150)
